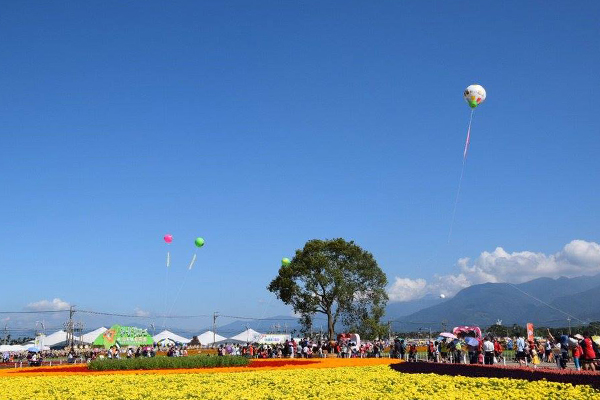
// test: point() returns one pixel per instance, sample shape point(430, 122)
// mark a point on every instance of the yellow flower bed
point(373, 382)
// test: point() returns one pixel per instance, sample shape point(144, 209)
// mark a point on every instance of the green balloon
point(472, 104)
point(199, 242)
point(285, 262)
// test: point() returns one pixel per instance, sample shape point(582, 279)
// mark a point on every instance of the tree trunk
point(330, 326)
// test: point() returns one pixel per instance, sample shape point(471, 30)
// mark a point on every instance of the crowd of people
point(581, 350)
point(306, 348)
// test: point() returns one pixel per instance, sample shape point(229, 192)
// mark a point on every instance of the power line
point(34, 312)
point(268, 319)
point(546, 304)
point(142, 316)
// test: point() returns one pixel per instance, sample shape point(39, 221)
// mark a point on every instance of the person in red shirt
point(498, 350)
point(588, 353)
point(577, 352)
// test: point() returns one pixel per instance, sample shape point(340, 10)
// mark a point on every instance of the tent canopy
point(172, 336)
point(88, 338)
point(55, 338)
point(18, 347)
point(249, 335)
point(207, 338)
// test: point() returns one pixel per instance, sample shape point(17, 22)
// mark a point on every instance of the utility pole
point(389, 324)
point(5, 333)
point(69, 327)
point(569, 319)
point(79, 330)
point(215, 315)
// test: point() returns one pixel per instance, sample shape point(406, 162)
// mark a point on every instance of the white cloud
point(141, 313)
point(46, 305)
point(404, 289)
point(576, 258)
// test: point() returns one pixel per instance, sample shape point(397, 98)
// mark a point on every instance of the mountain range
point(543, 301)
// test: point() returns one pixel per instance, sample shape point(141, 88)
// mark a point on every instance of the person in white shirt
point(488, 351)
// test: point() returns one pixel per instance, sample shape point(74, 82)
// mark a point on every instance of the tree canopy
point(336, 278)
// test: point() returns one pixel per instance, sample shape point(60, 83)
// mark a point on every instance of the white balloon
point(474, 95)
point(442, 296)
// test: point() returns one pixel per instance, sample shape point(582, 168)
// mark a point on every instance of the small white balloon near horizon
point(442, 296)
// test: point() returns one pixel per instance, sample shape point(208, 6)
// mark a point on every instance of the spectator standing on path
point(548, 351)
point(564, 351)
point(402, 349)
point(588, 353)
point(498, 350)
point(457, 352)
point(412, 353)
point(488, 351)
point(577, 352)
point(521, 350)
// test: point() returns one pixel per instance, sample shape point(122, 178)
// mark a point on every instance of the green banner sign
point(123, 336)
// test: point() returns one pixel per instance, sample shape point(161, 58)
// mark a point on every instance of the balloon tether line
point(167, 286)
point(182, 283)
point(462, 172)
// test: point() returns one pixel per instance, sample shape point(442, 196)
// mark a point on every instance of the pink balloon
point(168, 238)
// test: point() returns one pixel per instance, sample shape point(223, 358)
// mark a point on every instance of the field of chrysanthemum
point(324, 379)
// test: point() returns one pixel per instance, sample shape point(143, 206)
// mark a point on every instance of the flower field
point(591, 378)
point(348, 382)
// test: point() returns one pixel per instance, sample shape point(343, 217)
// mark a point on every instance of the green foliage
point(167, 362)
point(370, 328)
point(336, 278)
point(19, 340)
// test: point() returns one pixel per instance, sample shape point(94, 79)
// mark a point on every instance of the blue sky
point(260, 125)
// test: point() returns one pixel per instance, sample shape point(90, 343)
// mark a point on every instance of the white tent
point(207, 338)
point(55, 338)
point(166, 342)
point(88, 338)
point(18, 347)
point(170, 335)
point(249, 336)
point(59, 338)
point(12, 347)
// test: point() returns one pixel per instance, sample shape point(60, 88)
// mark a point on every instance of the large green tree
point(336, 278)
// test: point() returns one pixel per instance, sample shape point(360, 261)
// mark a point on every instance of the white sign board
point(273, 339)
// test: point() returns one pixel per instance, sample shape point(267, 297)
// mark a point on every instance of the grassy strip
point(167, 362)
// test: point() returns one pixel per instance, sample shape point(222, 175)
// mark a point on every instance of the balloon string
point(462, 172)
point(192, 263)
point(182, 284)
point(167, 286)
point(468, 141)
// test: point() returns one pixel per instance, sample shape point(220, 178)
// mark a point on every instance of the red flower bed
point(279, 363)
point(82, 368)
point(492, 371)
point(70, 368)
